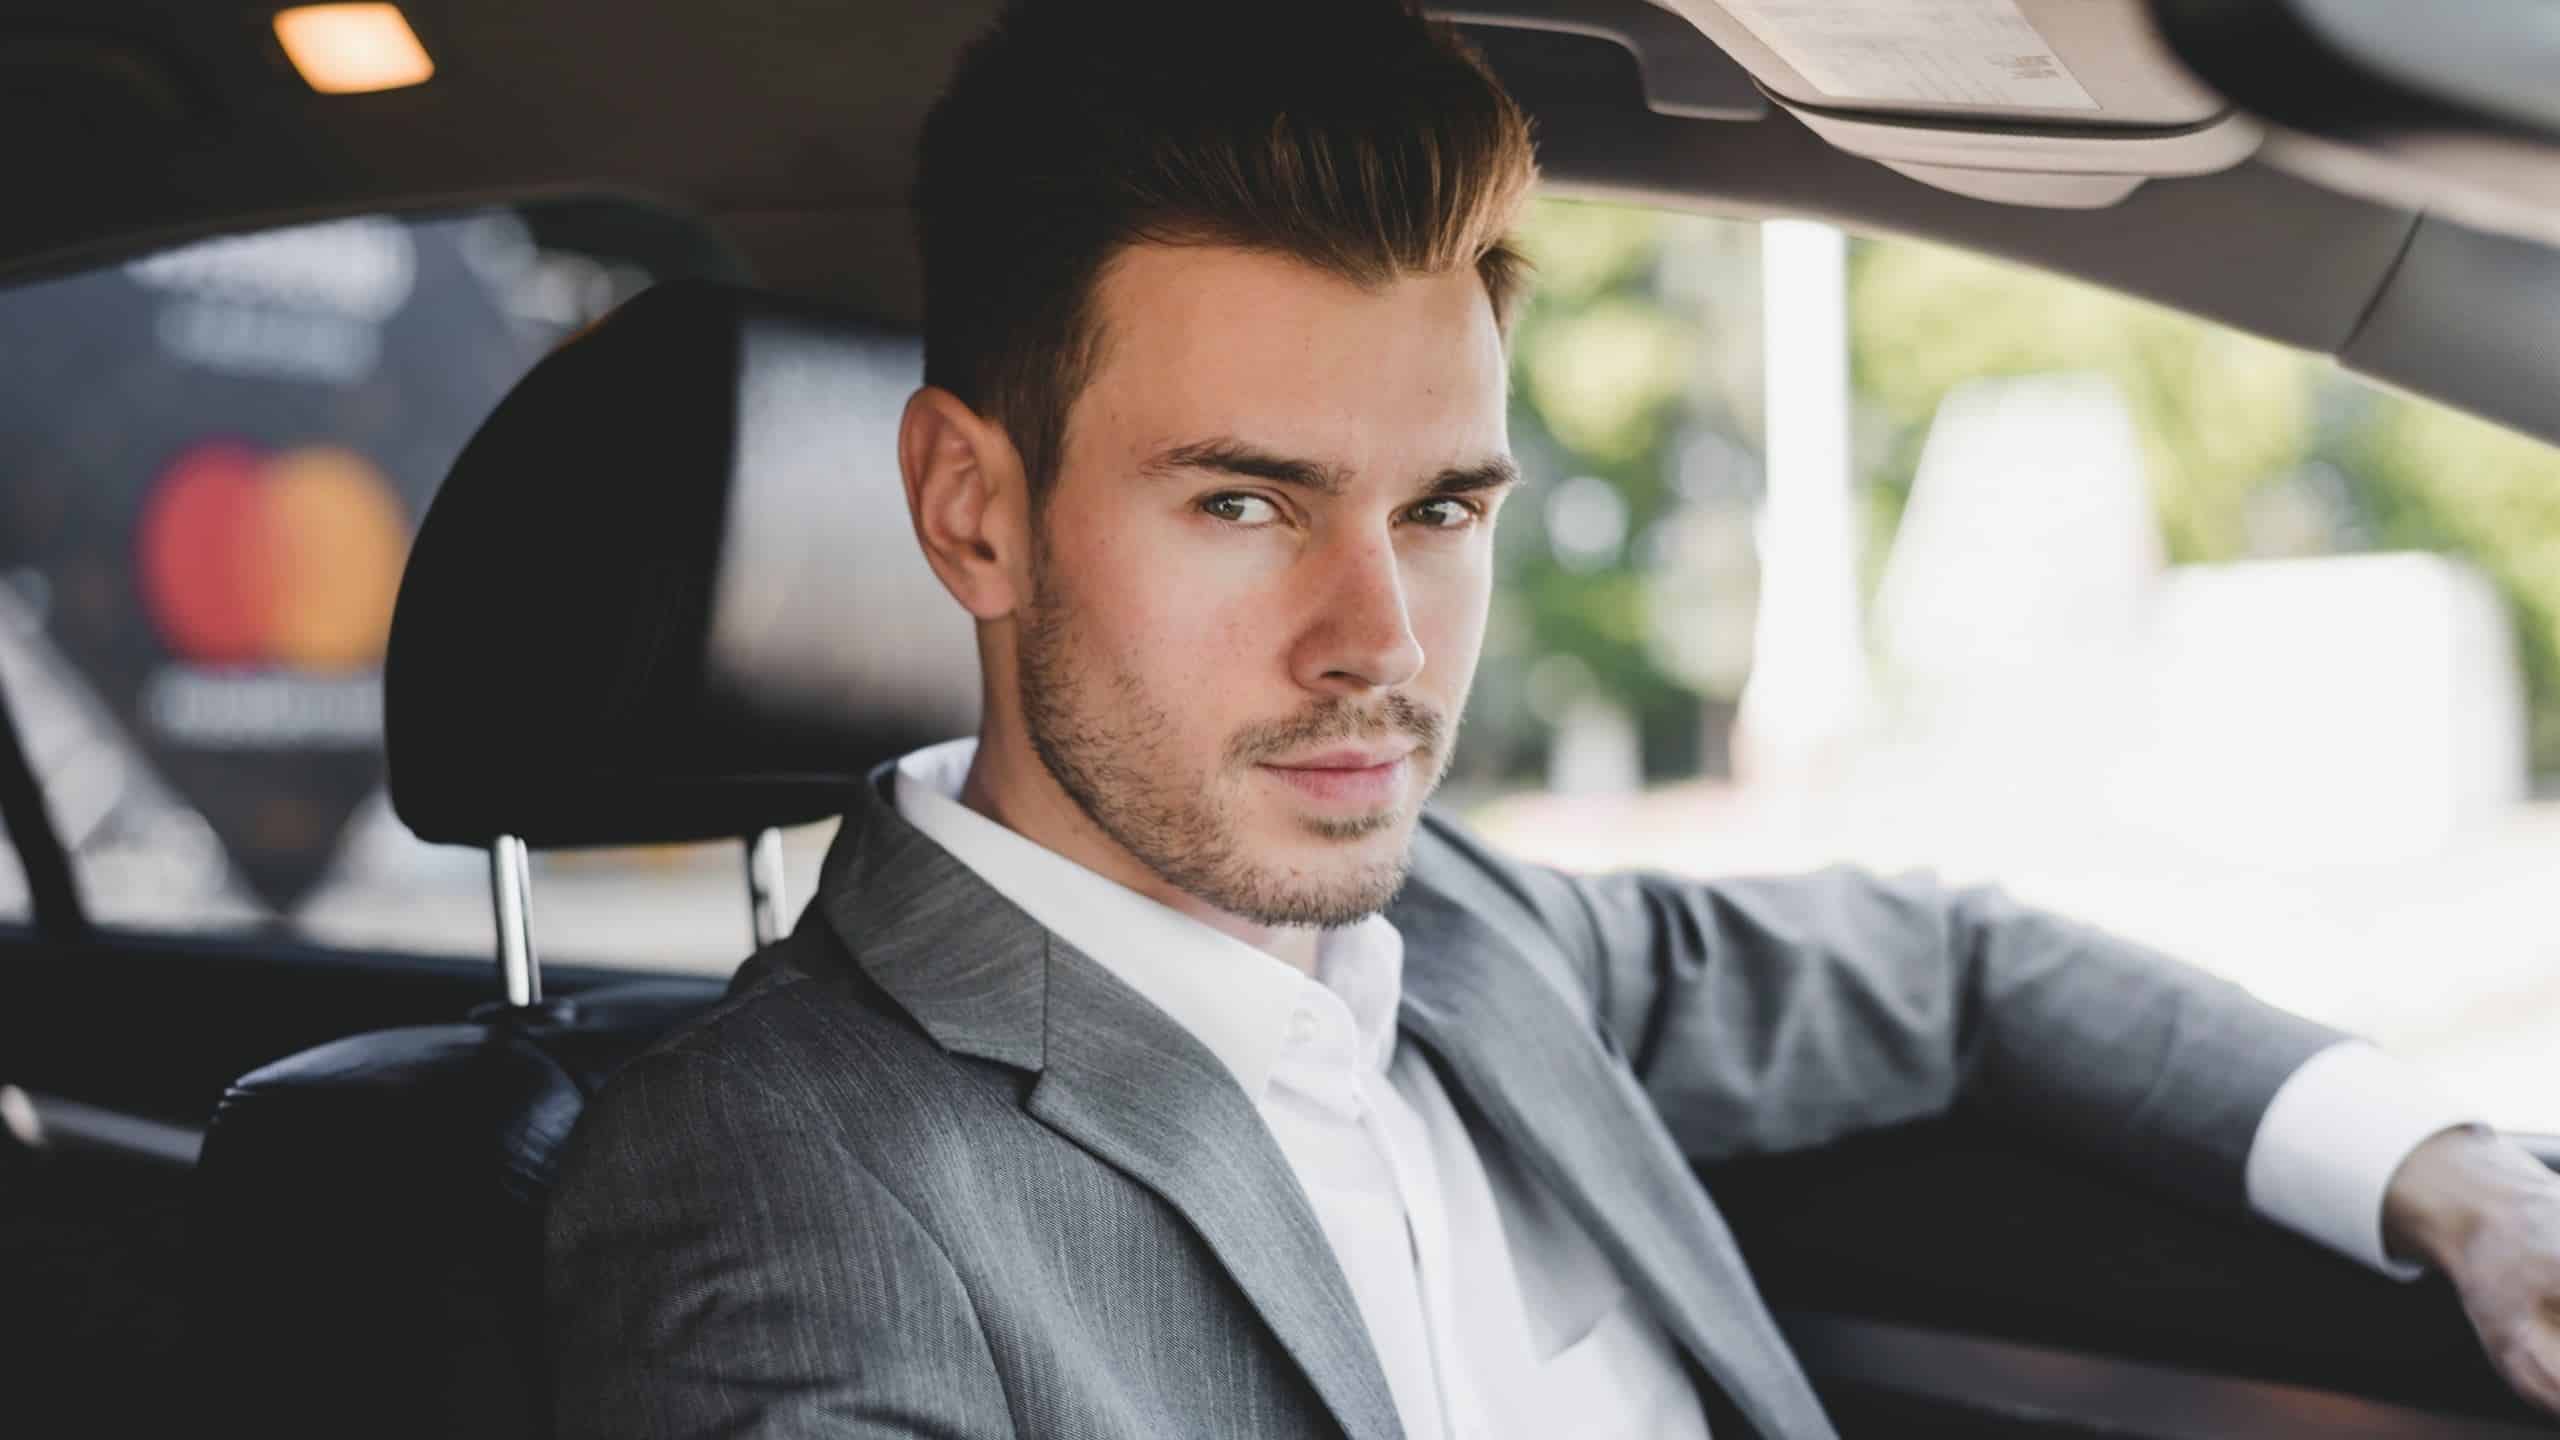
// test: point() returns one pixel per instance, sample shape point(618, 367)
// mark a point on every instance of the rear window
point(211, 463)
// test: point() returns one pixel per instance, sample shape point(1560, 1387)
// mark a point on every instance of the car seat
point(640, 610)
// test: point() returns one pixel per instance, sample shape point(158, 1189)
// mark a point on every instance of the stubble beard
point(1114, 750)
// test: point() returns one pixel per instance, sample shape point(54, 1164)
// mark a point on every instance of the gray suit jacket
point(930, 1171)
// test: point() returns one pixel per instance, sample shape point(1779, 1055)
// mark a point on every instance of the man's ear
point(967, 497)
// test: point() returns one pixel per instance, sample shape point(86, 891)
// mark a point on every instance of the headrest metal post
point(511, 885)
point(765, 900)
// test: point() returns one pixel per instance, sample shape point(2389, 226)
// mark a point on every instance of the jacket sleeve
point(717, 1264)
point(1774, 1014)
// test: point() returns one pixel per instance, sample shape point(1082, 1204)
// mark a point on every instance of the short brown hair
point(1353, 135)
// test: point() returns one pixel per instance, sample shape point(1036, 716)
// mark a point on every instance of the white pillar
point(1808, 690)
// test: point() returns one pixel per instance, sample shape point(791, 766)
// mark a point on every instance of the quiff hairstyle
point(1353, 135)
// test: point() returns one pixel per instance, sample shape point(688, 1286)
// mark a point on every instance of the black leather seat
point(605, 636)
point(369, 1218)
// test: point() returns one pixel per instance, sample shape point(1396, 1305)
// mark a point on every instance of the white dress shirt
point(1493, 1312)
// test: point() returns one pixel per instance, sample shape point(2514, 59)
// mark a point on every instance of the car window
point(1878, 552)
point(211, 462)
point(1829, 550)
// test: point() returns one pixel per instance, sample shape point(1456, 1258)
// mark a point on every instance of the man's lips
point(1345, 758)
point(1351, 778)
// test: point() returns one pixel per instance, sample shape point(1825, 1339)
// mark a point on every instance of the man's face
point(1263, 570)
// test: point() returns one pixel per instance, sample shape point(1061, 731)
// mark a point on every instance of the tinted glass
point(211, 463)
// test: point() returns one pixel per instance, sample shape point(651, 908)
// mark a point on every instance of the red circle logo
point(288, 559)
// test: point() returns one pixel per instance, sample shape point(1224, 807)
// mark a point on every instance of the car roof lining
point(789, 129)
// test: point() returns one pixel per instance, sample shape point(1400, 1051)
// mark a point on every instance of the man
point(1151, 1066)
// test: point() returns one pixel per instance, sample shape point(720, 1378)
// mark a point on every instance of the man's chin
point(1384, 829)
point(1321, 902)
point(1283, 867)
point(1339, 868)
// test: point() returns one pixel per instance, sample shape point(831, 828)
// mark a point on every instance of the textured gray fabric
point(932, 1172)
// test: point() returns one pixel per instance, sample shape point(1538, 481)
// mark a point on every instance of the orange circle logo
point(289, 559)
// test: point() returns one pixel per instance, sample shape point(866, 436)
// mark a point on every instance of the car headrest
point(669, 591)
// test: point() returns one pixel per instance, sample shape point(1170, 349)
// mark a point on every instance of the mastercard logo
point(288, 558)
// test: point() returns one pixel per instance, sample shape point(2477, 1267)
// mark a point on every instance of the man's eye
point(1441, 514)
point(1241, 509)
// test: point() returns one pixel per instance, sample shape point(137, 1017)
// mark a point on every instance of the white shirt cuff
point(2331, 1140)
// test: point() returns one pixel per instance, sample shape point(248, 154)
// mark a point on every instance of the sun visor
point(2060, 103)
point(1683, 75)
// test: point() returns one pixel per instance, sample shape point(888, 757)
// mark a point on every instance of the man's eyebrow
point(1490, 474)
point(1234, 457)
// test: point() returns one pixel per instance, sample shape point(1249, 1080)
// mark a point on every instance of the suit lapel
point(1127, 1083)
point(1118, 1077)
point(1543, 1082)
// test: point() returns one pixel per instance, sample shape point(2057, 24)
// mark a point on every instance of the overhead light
point(352, 49)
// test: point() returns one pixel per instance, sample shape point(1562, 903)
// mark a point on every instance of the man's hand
point(2487, 1214)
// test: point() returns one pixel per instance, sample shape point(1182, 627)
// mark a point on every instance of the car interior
point(300, 1186)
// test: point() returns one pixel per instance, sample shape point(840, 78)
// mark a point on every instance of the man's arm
point(717, 1264)
point(1773, 1014)
point(2331, 1141)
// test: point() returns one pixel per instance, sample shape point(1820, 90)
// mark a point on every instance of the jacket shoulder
point(811, 1037)
point(1544, 909)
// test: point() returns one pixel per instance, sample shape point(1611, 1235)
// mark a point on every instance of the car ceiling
point(788, 125)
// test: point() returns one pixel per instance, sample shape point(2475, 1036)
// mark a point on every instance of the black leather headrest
point(669, 591)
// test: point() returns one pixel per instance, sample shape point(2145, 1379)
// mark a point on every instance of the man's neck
point(1008, 785)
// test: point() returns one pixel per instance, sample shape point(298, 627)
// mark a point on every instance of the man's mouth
point(1348, 777)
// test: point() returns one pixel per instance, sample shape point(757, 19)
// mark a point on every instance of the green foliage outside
point(2254, 449)
point(1618, 363)
point(1637, 364)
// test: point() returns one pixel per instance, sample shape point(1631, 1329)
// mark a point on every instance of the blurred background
point(1832, 550)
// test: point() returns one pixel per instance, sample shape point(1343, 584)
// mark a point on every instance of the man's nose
point(1360, 635)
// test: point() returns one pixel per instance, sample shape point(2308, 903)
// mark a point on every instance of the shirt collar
point(1233, 998)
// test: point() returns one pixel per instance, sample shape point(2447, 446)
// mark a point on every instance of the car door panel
point(1910, 1258)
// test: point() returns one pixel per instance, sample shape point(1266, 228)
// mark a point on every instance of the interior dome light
point(352, 49)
